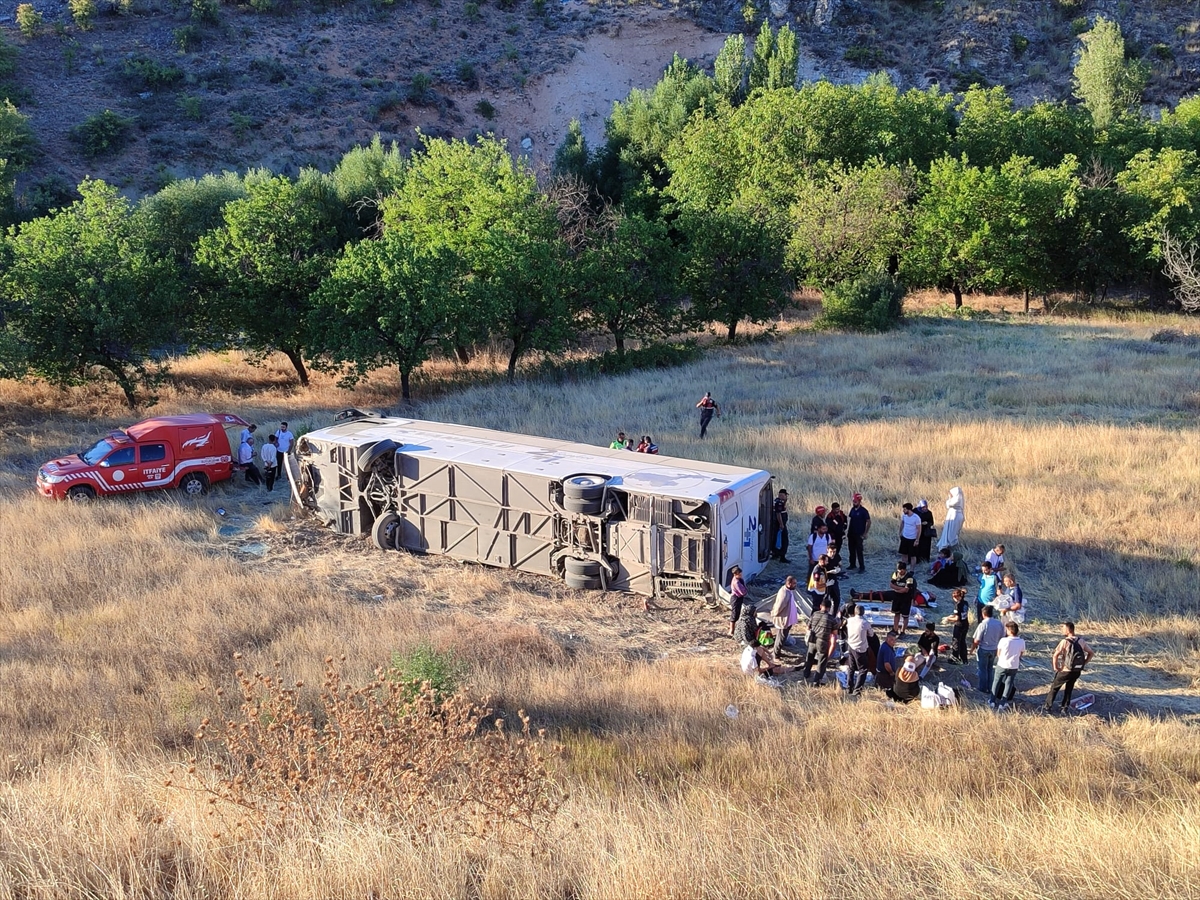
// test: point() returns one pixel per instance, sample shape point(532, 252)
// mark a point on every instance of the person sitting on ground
point(629, 445)
point(944, 560)
point(995, 557)
point(908, 677)
point(858, 646)
point(651, 447)
point(1011, 601)
point(952, 572)
point(643, 444)
point(822, 630)
point(928, 643)
point(885, 662)
point(756, 656)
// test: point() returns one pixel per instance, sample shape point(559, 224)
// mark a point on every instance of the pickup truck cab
point(189, 452)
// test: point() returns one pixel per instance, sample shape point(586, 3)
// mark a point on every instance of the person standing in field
point(785, 613)
point(987, 637)
point(959, 619)
point(858, 644)
point(858, 529)
point(1012, 600)
point(246, 460)
point(284, 439)
point(822, 629)
point(619, 443)
point(836, 522)
point(708, 408)
point(955, 516)
point(248, 433)
point(996, 557)
point(989, 586)
point(903, 587)
point(1008, 660)
point(737, 596)
point(928, 532)
point(1070, 656)
point(270, 460)
point(910, 533)
point(779, 526)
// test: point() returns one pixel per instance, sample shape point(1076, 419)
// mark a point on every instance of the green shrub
point(1020, 44)
point(102, 134)
point(871, 302)
point(29, 20)
point(191, 107)
point(83, 11)
point(471, 11)
point(385, 102)
point(419, 89)
point(656, 356)
point(465, 70)
point(150, 72)
point(187, 37)
point(442, 670)
point(485, 109)
point(1080, 25)
point(206, 11)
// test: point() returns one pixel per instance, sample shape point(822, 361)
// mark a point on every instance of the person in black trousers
point(859, 528)
point(1070, 656)
point(960, 619)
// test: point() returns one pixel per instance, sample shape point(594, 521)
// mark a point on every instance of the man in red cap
point(818, 519)
point(860, 527)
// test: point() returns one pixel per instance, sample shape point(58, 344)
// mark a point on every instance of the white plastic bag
point(946, 693)
point(929, 699)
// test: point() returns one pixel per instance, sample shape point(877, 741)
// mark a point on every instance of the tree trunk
point(619, 340)
point(513, 359)
point(298, 364)
point(463, 354)
point(127, 385)
point(1027, 301)
point(732, 330)
point(957, 296)
point(405, 391)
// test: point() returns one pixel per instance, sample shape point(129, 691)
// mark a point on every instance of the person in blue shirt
point(989, 584)
point(885, 663)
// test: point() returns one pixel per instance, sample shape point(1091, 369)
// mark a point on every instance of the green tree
point(1108, 84)
point(988, 128)
point(386, 302)
point(268, 259)
point(760, 58)
point(632, 280)
point(730, 69)
point(847, 220)
point(82, 295)
point(629, 166)
point(733, 267)
point(364, 177)
point(784, 64)
point(1164, 190)
point(572, 158)
point(456, 195)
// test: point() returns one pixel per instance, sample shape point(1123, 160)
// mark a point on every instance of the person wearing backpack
point(1070, 656)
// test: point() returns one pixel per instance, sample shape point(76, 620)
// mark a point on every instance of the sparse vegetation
point(149, 73)
point(29, 20)
point(485, 109)
point(83, 12)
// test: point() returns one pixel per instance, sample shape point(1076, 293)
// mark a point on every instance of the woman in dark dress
point(928, 532)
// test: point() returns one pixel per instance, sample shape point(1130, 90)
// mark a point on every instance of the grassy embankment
point(1074, 441)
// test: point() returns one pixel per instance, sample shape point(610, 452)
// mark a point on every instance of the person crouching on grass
point(756, 656)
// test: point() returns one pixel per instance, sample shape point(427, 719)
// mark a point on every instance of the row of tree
point(962, 192)
point(382, 262)
point(709, 197)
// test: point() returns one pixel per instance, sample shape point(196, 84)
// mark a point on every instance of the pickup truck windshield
point(98, 452)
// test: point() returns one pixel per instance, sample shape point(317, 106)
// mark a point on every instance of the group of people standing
point(271, 454)
point(1000, 610)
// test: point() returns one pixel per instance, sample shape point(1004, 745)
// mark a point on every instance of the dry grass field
point(1074, 440)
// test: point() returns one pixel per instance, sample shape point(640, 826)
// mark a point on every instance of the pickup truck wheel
point(193, 484)
point(584, 487)
point(81, 493)
point(582, 574)
point(385, 531)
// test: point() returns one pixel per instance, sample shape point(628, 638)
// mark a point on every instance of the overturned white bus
point(596, 518)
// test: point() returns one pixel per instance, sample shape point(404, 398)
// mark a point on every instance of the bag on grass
point(929, 699)
point(947, 695)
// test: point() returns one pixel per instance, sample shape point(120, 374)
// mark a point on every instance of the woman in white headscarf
point(954, 519)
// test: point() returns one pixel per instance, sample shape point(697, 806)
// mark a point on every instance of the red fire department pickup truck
point(190, 452)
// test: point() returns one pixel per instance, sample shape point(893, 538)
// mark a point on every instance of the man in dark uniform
point(779, 529)
point(859, 528)
point(707, 406)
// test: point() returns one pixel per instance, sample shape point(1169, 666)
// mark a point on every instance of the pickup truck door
point(156, 464)
point(119, 470)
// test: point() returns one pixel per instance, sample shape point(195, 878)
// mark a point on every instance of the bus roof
point(686, 479)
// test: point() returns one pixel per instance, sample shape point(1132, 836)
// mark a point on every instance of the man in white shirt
point(246, 461)
point(818, 545)
point(910, 534)
point(995, 556)
point(284, 438)
point(858, 641)
point(1008, 660)
point(270, 460)
point(247, 434)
